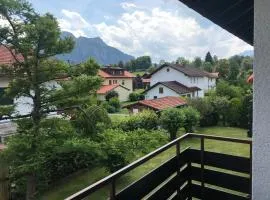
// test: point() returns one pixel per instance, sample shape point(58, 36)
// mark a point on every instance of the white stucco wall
point(166, 92)
point(261, 110)
point(163, 75)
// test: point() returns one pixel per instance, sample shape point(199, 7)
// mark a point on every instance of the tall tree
point(209, 58)
point(207, 66)
point(223, 68)
point(182, 61)
point(197, 62)
point(36, 40)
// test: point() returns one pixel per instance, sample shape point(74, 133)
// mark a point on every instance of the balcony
point(190, 174)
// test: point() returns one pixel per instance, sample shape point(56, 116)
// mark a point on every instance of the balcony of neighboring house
point(193, 172)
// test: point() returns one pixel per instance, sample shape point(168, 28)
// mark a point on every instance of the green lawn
point(84, 178)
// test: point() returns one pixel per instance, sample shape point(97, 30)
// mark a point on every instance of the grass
point(84, 178)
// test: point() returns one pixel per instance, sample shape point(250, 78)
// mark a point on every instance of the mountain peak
point(93, 47)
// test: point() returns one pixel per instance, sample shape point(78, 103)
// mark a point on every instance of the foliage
point(92, 120)
point(144, 120)
point(223, 68)
point(234, 112)
point(207, 66)
point(122, 147)
point(140, 63)
point(197, 62)
point(224, 89)
point(182, 61)
point(208, 116)
point(208, 58)
point(136, 96)
point(221, 106)
point(172, 119)
point(111, 94)
point(36, 38)
point(192, 117)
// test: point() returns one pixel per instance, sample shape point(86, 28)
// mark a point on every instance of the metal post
point(189, 181)
point(178, 167)
point(112, 191)
point(202, 167)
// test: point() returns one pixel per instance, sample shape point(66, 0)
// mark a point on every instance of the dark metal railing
point(182, 160)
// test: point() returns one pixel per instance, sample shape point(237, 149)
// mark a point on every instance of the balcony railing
point(191, 173)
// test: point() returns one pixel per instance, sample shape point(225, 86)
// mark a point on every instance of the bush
point(120, 148)
point(208, 116)
point(171, 120)
point(192, 118)
point(93, 120)
point(112, 106)
point(111, 94)
point(135, 96)
point(145, 120)
point(234, 112)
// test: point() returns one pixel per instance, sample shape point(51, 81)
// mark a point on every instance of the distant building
point(171, 88)
point(117, 77)
point(156, 105)
point(122, 91)
point(187, 77)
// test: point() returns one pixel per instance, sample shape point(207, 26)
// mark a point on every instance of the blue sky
point(163, 29)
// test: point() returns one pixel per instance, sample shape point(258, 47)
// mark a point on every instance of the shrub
point(145, 120)
point(171, 120)
point(234, 112)
point(135, 96)
point(92, 120)
point(112, 106)
point(120, 147)
point(208, 116)
point(111, 94)
point(192, 117)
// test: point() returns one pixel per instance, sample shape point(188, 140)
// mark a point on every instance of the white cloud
point(168, 35)
point(127, 5)
point(156, 32)
point(73, 22)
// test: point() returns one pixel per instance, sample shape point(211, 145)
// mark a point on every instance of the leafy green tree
point(233, 71)
point(221, 106)
point(111, 94)
point(197, 62)
point(172, 119)
point(121, 64)
point(223, 68)
point(207, 66)
point(182, 61)
point(224, 89)
point(144, 120)
point(247, 64)
point(36, 38)
point(143, 62)
point(192, 118)
point(234, 111)
point(209, 58)
point(92, 120)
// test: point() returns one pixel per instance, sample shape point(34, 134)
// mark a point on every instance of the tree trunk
point(30, 187)
point(4, 181)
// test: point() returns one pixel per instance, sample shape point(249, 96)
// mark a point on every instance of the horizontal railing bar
point(226, 139)
point(92, 188)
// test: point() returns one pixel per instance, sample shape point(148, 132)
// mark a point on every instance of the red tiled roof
point(6, 57)
point(162, 103)
point(106, 75)
point(106, 88)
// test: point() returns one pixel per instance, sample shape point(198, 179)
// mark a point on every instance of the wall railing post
point(202, 167)
point(250, 172)
point(178, 166)
point(112, 191)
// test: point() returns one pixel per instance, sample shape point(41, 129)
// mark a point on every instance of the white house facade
point(188, 76)
point(171, 88)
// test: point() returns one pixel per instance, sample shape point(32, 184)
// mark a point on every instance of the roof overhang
point(236, 16)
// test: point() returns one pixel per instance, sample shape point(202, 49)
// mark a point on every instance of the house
point(171, 88)
point(123, 92)
point(117, 76)
point(187, 76)
point(156, 105)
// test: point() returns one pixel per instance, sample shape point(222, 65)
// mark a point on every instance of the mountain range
point(93, 47)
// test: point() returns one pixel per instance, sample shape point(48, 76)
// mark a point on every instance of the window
point(114, 81)
point(168, 69)
point(123, 82)
point(110, 82)
point(161, 90)
point(155, 97)
point(3, 99)
point(188, 95)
